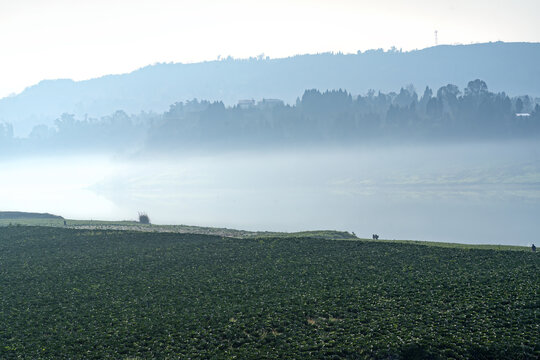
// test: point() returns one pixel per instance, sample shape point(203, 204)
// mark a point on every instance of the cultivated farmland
point(91, 294)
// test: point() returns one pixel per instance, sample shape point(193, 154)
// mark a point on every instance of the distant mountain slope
point(512, 67)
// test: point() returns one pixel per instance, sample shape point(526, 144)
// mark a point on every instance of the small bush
point(143, 218)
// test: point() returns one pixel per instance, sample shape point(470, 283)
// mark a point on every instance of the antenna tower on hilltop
point(436, 40)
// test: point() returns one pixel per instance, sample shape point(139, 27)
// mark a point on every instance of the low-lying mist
point(484, 192)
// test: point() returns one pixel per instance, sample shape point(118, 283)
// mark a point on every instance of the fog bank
point(475, 193)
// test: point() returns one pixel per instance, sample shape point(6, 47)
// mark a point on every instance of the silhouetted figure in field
point(65, 223)
point(375, 237)
point(533, 248)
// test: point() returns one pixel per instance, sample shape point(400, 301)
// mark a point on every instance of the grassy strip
point(242, 234)
point(187, 229)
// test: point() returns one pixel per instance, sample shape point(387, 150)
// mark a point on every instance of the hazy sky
point(48, 39)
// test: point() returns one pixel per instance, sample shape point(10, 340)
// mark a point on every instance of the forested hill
point(510, 67)
point(317, 118)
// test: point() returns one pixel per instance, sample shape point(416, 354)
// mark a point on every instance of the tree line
point(332, 116)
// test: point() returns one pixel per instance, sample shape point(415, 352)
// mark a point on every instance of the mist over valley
point(444, 164)
point(481, 192)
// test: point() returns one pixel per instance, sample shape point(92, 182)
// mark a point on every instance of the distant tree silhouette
point(476, 88)
point(332, 116)
point(519, 105)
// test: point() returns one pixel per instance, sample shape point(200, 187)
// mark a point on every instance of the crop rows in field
point(112, 294)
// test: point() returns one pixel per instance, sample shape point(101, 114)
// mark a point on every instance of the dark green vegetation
point(68, 293)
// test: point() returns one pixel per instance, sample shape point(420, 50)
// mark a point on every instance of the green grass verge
point(460, 246)
point(316, 234)
point(136, 226)
point(31, 222)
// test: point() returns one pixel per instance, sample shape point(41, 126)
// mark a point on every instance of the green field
point(96, 294)
point(8, 218)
